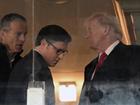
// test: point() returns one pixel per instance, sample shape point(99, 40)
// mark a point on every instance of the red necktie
point(101, 60)
point(99, 64)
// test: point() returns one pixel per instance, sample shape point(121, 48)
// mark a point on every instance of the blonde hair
point(106, 19)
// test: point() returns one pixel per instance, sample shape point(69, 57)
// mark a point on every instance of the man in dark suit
point(13, 28)
point(50, 47)
point(117, 80)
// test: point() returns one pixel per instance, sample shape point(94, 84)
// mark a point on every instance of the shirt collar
point(111, 47)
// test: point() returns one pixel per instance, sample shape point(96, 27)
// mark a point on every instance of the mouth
point(55, 62)
point(19, 46)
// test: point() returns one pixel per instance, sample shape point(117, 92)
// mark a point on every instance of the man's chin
point(53, 65)
point(19, 50)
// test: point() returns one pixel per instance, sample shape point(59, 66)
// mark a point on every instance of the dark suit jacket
point(5, 69)
point(121, 66)
point(22, 75)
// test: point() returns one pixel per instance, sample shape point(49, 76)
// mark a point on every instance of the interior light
point(58, 1)
point(67, 91)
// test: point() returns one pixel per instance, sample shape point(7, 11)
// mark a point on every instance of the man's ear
point(107, 29)
point(2, 33)
point(43, 42)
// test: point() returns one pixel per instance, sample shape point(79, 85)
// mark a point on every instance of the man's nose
point(61, 56)
point(86, 36)
point(22, 37)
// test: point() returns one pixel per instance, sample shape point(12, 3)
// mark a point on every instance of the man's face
point(53, 52)
point(95, 34)
point(14, 37)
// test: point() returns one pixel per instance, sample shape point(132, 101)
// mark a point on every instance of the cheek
point(50, 57)
point(92, 39)
point(12, 40)
point(13, 43)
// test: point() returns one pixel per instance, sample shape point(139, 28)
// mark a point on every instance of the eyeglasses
point(58, 51)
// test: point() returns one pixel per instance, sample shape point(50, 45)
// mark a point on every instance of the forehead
point(92, 24)
point(60, 43)
point(18, 25)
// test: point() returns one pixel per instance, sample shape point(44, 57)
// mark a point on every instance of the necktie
point(101, 60)
point(99, 64)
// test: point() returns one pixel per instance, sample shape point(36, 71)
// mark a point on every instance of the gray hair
point(8, 18)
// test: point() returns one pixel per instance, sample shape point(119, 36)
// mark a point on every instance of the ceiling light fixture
point(58, 1)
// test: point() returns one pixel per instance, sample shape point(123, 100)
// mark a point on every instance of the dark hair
point(53, 33)
point(7, 19)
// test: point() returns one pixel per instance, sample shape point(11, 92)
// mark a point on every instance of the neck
point(37, 49)
point(105, 45)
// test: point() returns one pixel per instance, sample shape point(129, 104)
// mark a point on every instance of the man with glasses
point(50, 47)
point(58, 51)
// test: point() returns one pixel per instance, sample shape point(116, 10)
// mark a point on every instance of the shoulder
point(132, 47)
point(2, 46)
point(135, 47)
point(23, 63)
point(22, 69)
point(134, 50)
point(126, 50)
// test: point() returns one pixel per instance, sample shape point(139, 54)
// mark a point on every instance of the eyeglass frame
point(58, 51)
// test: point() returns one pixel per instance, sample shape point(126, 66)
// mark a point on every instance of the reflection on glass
point(36, 93)
point(67, 92)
